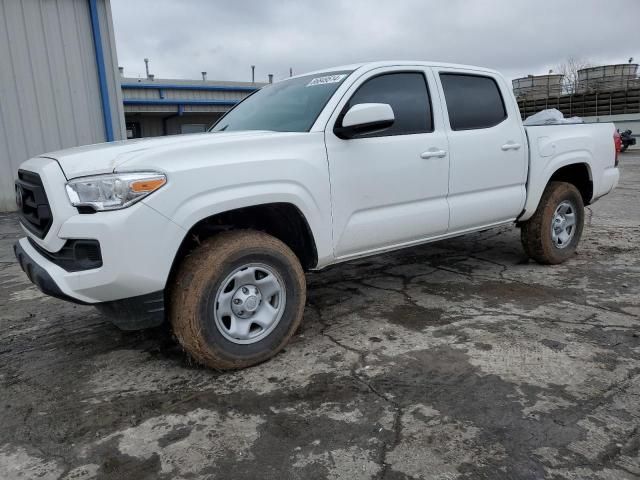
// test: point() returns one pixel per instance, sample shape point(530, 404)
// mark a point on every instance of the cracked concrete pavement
point(459, 359)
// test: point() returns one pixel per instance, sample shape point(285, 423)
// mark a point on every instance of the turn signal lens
point(147, 186)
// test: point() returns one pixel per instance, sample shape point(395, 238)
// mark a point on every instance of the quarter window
point(473, 101)
point(408, 96)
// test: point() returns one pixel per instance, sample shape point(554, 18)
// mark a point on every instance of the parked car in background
point(213, 232)
point(626, 140)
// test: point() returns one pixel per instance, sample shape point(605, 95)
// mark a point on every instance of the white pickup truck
point(213, 232)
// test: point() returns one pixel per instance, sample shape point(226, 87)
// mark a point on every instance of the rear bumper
point(610, 179)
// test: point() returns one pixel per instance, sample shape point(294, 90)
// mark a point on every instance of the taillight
point(617, 145)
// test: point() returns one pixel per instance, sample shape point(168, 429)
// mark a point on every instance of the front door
point(389, 188)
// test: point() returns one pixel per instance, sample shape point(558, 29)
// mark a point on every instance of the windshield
point(288, 106)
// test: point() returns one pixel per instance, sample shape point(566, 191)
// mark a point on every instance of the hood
point(109, 157)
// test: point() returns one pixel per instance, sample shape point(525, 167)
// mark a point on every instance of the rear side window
point(408, 96)
point(473, 101)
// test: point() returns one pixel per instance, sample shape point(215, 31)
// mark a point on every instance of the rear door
point(488, 149)
point(389, 188)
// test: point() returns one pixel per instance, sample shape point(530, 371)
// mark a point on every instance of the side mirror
point(365, 118)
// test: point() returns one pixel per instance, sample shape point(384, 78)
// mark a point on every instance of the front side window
point(473, 101)
point(288, 106)
point(408, 96)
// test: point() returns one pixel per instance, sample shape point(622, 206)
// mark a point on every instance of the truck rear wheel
point(552, 234)
point(237, 299)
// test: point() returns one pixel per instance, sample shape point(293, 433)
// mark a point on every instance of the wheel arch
point(576, 171)
point(578, 174)
point(283, 220)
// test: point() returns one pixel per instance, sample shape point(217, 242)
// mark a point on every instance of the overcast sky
point(517, 37)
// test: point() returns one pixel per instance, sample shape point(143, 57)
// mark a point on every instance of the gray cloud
point(517, 37)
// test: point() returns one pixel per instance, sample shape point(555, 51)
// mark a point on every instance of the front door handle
point(433, 154)
point(511, 146)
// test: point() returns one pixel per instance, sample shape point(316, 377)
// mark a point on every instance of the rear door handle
point(511, 146)
point(433, 154)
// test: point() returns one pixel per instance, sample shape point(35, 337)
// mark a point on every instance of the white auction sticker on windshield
point(326, 79)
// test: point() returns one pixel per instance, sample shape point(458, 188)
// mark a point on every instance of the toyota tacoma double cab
point(213, 232)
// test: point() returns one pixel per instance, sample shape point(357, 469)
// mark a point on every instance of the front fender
point(201, 205)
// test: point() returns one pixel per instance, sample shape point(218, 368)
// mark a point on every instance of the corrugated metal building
point(59, 81)
point(156, 107)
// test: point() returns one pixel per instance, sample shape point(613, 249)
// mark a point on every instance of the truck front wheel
point(237, 299)
point(552, 234)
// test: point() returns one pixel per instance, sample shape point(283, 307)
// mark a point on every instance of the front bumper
point(38, 275)
point(144, 311)
point(137, 244)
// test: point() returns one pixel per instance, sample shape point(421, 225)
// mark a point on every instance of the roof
point(365, 66)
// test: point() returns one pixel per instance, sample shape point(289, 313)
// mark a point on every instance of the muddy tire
point(552, 234)
point(237, 299)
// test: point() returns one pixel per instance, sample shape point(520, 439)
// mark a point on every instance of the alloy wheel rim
point(249, 303)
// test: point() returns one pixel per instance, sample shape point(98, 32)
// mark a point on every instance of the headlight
point(113, 191)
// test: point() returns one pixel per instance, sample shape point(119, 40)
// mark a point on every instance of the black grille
point(33, 205)
point(75, 255)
